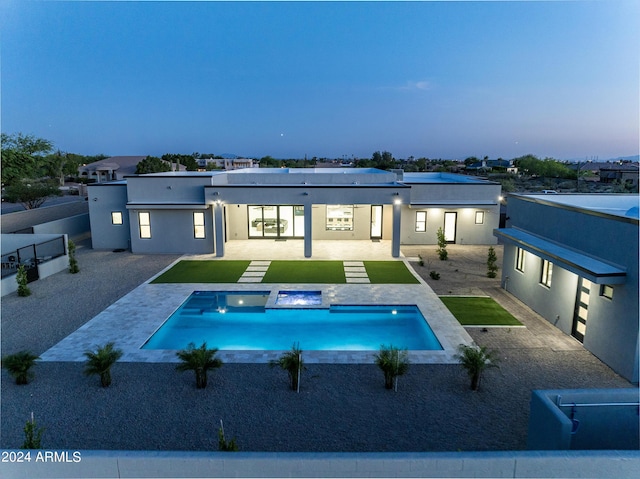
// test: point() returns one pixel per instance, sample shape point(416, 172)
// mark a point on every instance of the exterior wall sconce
point(216, 193)
point(305, 194)
point(397, 201)
point(95, 199)
point(169, 187)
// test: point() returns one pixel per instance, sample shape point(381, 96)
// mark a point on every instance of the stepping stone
point(356, 274)
point(253, 273)
point(353, 263)
point(358, 280)
point(257, 268)
point(356, 269)
point(250, 279)
point(260, 263)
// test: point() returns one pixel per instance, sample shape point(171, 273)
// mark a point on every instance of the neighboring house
point(574, 260)
point(113, 168)
point(228, 163)
point(197, 212)
point(484, 166)
point(625, 173)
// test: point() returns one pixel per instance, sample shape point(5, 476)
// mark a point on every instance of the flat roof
point(620, 205)
point(451, 178)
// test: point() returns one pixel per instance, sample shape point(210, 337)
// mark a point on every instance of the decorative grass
point(305, 272)
point(479, 311)
point(204, 272)
point(389, 272)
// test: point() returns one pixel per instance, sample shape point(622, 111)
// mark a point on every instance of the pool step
point(254, 272)
point(355, 272)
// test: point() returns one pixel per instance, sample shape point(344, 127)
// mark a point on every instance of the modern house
point(227, 163)
point(198, 212)
point(574, 260)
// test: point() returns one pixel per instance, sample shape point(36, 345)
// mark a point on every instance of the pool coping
point(132, 320)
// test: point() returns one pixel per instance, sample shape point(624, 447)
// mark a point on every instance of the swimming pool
point(224, 323)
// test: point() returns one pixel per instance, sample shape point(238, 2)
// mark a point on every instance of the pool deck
point(130, 321)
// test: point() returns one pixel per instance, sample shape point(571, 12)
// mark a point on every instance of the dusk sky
point(289, 79)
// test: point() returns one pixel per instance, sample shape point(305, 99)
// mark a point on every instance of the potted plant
point(100, 362)
point(291, 361)
point(200, 360)
point(19, 365)
point(393, 362)
point(476, 359)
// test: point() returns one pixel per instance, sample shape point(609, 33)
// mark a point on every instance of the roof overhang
point(583, 265)
point(166, 206)
point(453, 204)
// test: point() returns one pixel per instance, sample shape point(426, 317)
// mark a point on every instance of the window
point(606, 290)
point(116, 217)
point(479, 217)
point(198, 225)
point(547, 272)
point(145, 224)
point(520, 260)
point(421, 221)
point(339, 217)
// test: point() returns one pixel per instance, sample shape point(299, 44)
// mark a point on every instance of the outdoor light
point(397, 201)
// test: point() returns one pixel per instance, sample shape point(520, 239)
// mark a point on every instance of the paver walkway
point(255, 272)
point(355, 272)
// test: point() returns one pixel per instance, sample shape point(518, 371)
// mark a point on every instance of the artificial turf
point(478, 311)
point(204, 272)
point(389, 272)
point(305, 272)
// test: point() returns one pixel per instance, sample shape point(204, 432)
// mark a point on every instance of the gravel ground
point(339, 408)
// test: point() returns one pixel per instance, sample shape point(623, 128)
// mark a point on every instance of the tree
point(187, 160)
point(31, 193)
point(476, 359)
point(442, 245)
point(19, 365)
point(21, 156)
point(200, 360)
point(492, 267)
point(393, 362)
point(152, 164)
point(100, 362)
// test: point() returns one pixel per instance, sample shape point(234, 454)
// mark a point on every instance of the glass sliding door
point(277, 221)
point(376, 221)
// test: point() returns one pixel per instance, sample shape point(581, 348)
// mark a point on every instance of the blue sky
point(331, 79)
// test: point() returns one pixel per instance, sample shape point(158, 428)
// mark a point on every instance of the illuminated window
point(116, 217)
point(339, 218)
point(421, 221)
point(547, 272)
point(479, 217)
point(520, 260)
point(198, 225)
point(606, 290)
point(145, 224)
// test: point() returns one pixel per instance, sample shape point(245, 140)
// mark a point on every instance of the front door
point(579, 328)
point(376, 221)
point(450, 220)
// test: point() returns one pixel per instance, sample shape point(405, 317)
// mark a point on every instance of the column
point(307, 230)
point(395, 239)
point(218, 228)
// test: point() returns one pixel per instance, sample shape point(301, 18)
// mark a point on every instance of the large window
point(547, 272)
point(479, 217)
point(145, 224)
point(276, 221)
point(198, 225)
point(339, 218)
point(116, 217)
point(421, 221)
point(520, 259)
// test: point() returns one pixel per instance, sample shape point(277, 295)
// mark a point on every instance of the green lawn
point(390, 272)
point(305, 272)
point(474, 311)
point(204, 272)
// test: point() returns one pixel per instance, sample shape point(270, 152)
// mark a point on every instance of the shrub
point(442, 245)
point(19, 365)
point(200, 360)
point(420, 260)
point(21, 278)
point(292, 362)
point(476, 359)
point(73, 262)
point(393, 362)
point(223, 445)
point(32, 435)
point(101, 361)
point(492, 267)
point(434, 275)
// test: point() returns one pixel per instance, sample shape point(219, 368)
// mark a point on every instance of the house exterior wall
point(612, 325)
point(103, 200)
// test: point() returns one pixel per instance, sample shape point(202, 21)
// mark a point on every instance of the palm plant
point(19, 365)
point(476, 359)
point(393, 362)
point(199, 360)
point(100, 362)
point(292, 362)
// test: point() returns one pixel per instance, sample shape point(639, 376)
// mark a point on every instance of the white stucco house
point(198, 212)
point(574, 260)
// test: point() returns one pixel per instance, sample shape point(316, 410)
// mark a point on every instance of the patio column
point(395, 238)
point(218, 228)
point(307, 230)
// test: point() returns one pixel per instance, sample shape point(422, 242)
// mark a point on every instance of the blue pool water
point(225, 323)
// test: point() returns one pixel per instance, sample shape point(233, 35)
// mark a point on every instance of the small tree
point(393, 362)
point(21, 278)
point(32, 435)
point(101, 361)
point(19, 365)
point(292, 362)
point(442, 245)
point(73, 262)
point(223, 445)
point(31, 193)
point(476, 359)
point(492, 267)
point(200, 360)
